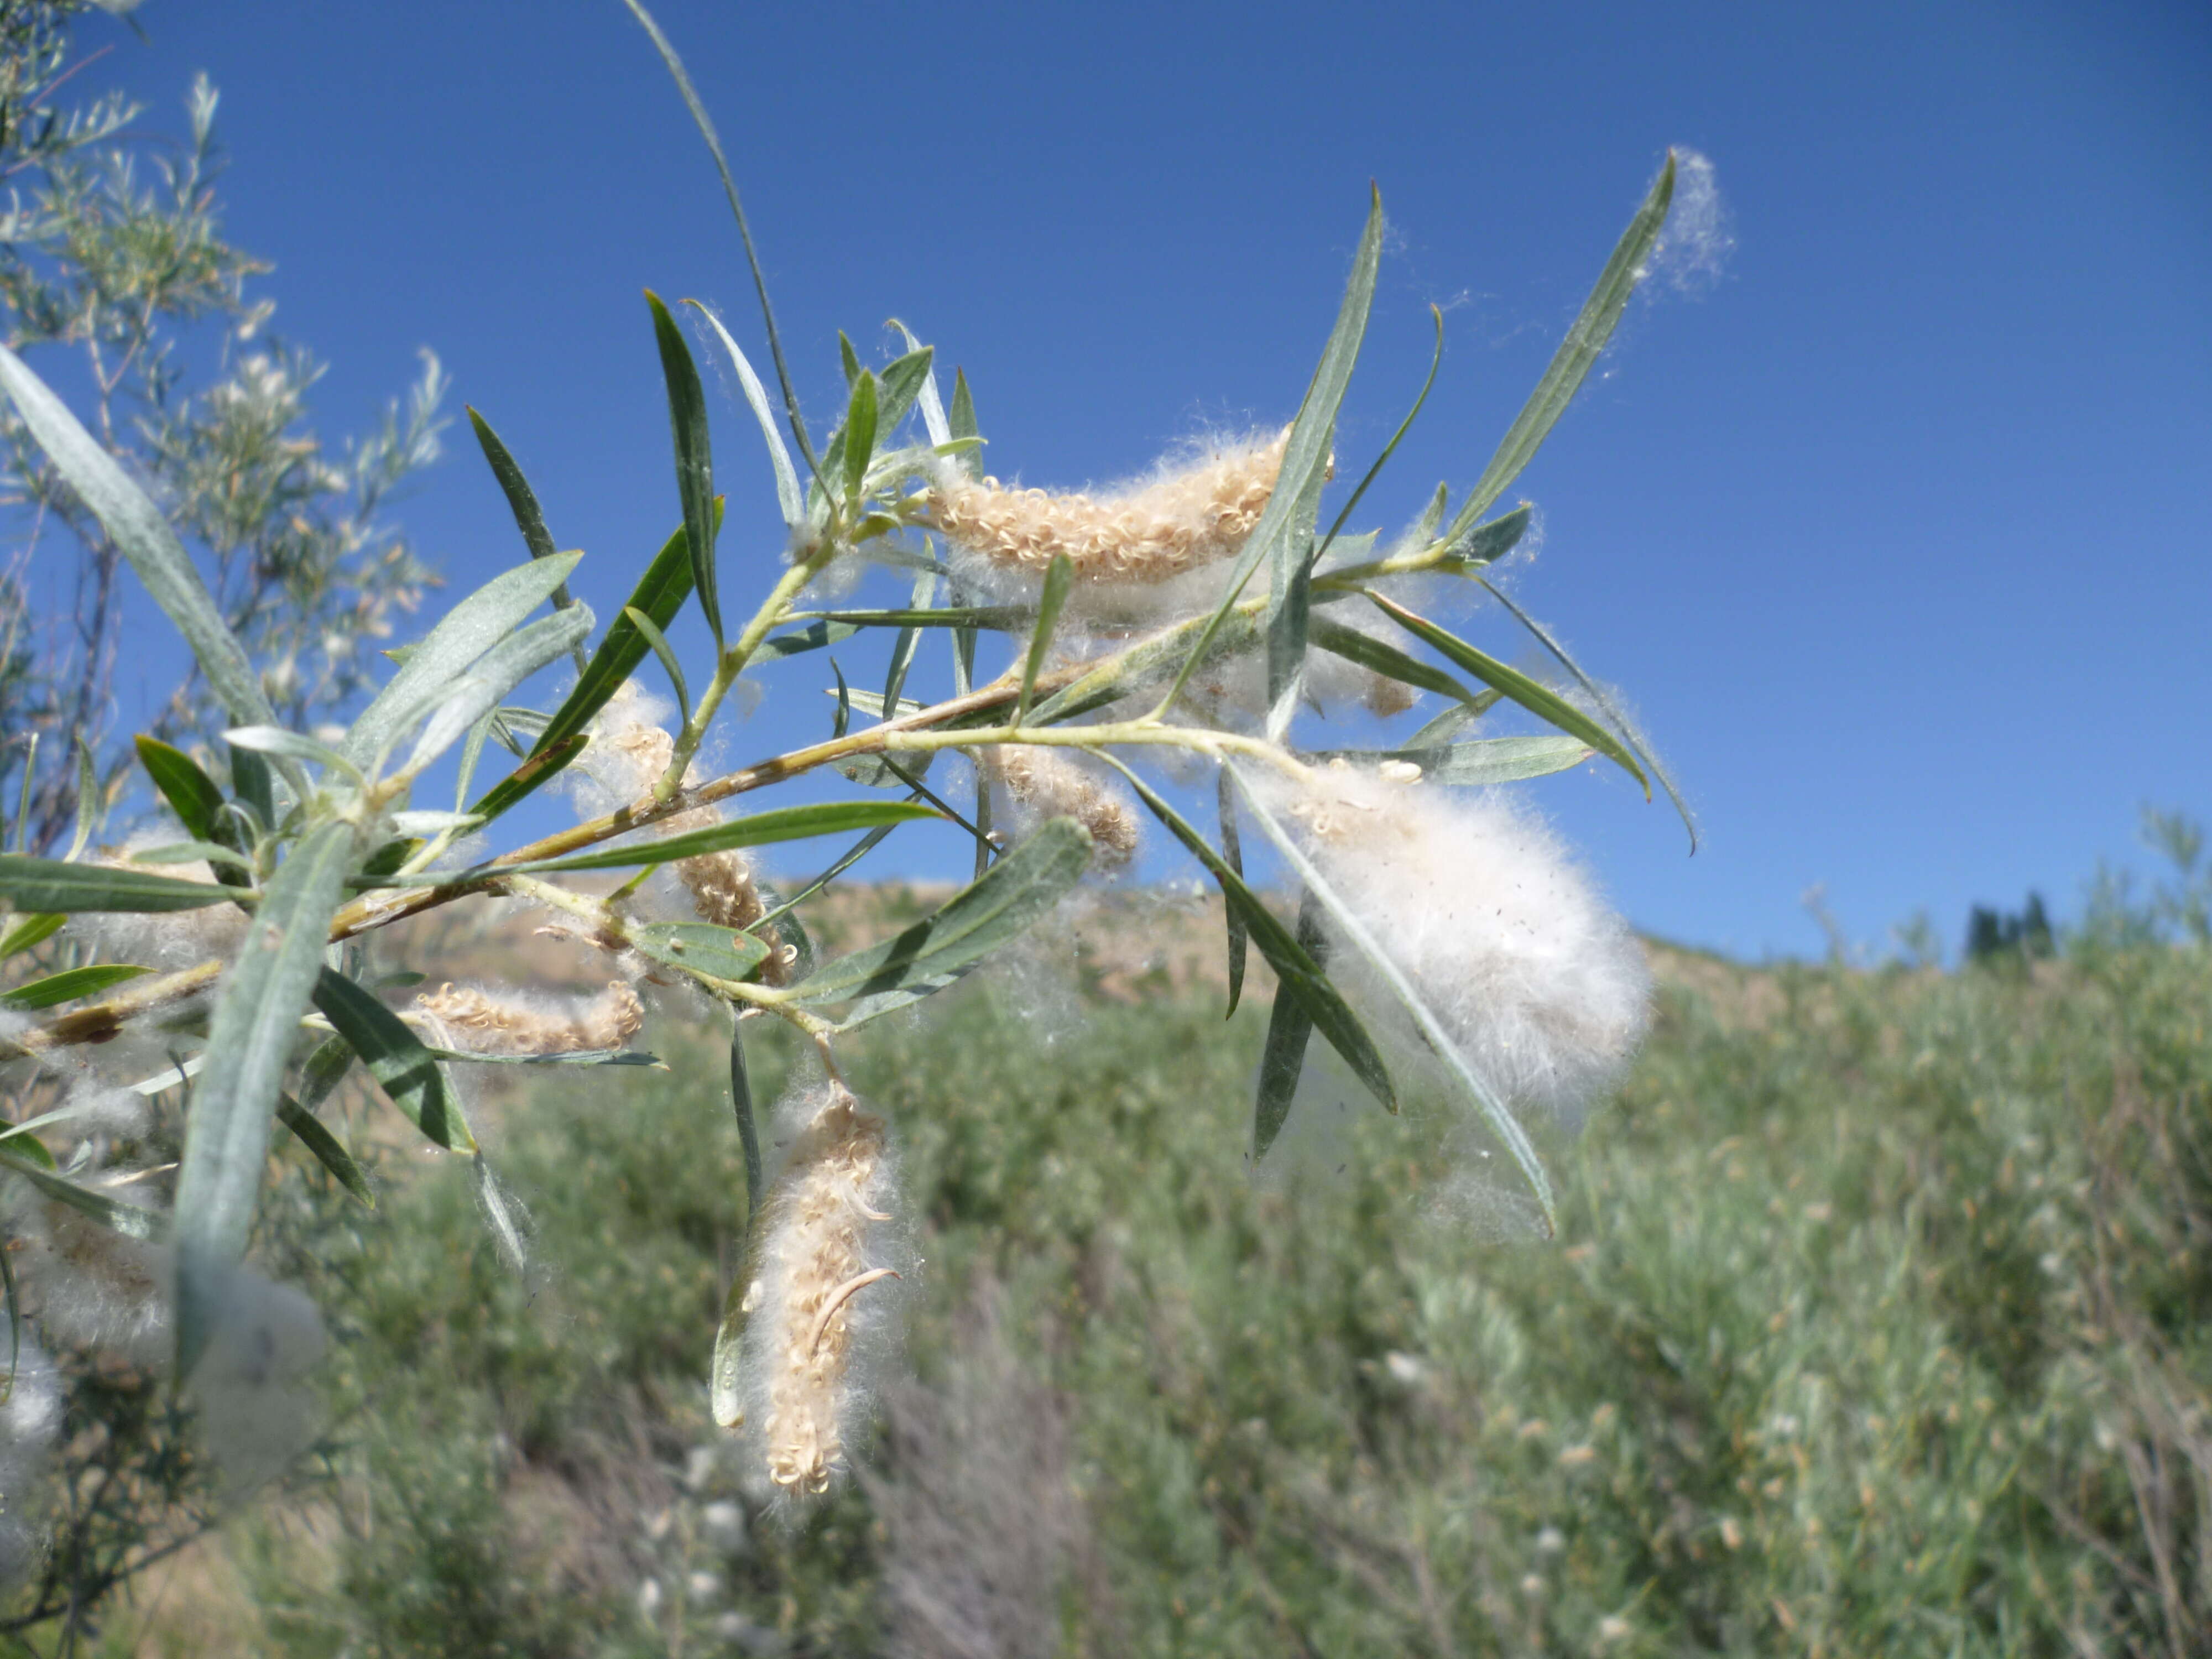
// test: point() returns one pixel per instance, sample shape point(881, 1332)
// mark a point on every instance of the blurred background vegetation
point(118, 287)
point(1878, 1323)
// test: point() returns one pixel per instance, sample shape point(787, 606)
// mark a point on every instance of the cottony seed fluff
point(811, 1277)
point(1055, 786)
point(465, 1019)
point(1149, 535)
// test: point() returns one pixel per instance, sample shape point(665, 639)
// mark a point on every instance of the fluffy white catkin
point(1191, 517)
point(1541, 986)
point(819, 1294)
point(470, 1020)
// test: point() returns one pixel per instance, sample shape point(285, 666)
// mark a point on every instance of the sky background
point(1895, 535)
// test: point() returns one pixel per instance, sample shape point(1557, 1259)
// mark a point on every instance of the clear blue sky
point(1897, 536)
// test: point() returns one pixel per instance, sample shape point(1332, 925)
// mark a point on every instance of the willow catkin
point(468, 1020)
point(1192, 519)
point(812, 1294)
point(722, 886)
point(1540, 985)
point(1054, 786)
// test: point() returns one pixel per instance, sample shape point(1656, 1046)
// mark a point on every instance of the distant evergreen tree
point(1993, 936)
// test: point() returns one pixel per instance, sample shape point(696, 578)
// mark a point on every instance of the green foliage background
point(1877, 1325)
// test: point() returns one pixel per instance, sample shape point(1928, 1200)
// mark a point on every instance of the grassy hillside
point(1878, 1324)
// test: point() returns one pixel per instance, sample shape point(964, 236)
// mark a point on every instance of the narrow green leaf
point(812, 637)
point(29, 932)
point(1002, 618)
point(1059, 576)
point(495, 674)
point(662, 649)
point(30, 884)
point(23, 796)
point(293, 746)
point(325, 1069)
point(701, 947)
point(543, 763)
point(1576, 354)
point(249, 1040)
point(859, 436)
point(778, 824)
point(738, 211)
point(145, 538)
point(741, 1099)
point(960, 419)
point(1289, 619)
point(851, 856)
point(192, 794)
point(426, 824)
point(88, 800)
point(1391, 448)
point(464, 774)
point(465, 633)
point(1501, 1121)
point(790, 500)
point(843, 717)
point(1283, 1057)
point(1424, 527)
point(1387, 660)
point(328, 1150)
point(726, 1394)
point(402, 1065)
point(1455, 719)
point(253, 787)
point(522, 501)
point(15, 1317)
point(871, 702)
point(903, 381)
point(67, 985)
point(1297, 974)
point(1607, 706)
point(1487, 543)
point(1306, 455)
point(695, 459)
point(1538, 700)
point(149, 1226)
point(659, 594)
point(1232, 854)
point(185, 853)
point(933, 406)
point(1020, 888)
point(848, 360)
point(1485, 760)
point(568, 1057)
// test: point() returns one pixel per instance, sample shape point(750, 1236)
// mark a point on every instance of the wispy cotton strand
point(820, 1291)
point(464, 1017)
point(1191, 518)
point(1541, 986)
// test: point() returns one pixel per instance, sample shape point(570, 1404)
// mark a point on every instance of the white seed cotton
point(1538, 983)
point(30, 1422)
point(252, 1386)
